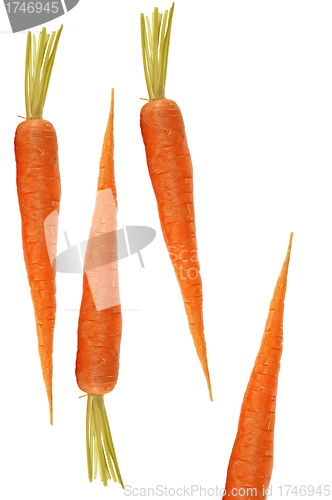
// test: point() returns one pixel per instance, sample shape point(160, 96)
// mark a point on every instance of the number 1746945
point(289, 490)
point(32, 7)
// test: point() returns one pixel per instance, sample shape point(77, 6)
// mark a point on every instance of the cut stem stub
point(155, 45)
point(99, 444)
point(39, 62)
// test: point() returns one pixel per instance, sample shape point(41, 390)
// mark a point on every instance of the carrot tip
point(207, 376)
point(50, 402)
point(290, 241)
point(210, 391)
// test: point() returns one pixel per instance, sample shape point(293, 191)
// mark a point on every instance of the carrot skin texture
point(99, 338)
point(99, 331)
point(251, 461)
point(171, 174)
point(39, 191)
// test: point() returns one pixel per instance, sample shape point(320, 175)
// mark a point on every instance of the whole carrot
point(100, 320)
point(171, 174)
point(250, 466)
point(38, 189)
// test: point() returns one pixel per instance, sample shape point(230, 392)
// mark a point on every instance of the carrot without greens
point(171, 174)
point(38, 188)
point(250, 466)
point(100, 320)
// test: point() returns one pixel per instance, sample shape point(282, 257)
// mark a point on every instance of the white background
point(254, 83)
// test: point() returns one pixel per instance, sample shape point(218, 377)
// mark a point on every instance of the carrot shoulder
point(38, 189)
point(100, 320)
point(251, 462)
point(171, 174)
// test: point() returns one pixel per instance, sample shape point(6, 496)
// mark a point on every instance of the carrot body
point(171, 174)
point(38, 188)
point(251, 461)
point(100, 320)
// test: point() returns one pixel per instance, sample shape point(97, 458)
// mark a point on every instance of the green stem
point(155, 45)
point(89, 441)
point(39, 62)
point(99, 444)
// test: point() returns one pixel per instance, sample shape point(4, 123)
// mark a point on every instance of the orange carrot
point(100, 320)
point(250, 466)
point(38, 188)
point(171, 174)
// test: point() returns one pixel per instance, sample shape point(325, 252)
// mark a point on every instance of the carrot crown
point(155, 45)
point(99, 443)
point(38, 68)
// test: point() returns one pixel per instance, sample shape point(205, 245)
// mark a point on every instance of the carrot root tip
point(210, 388)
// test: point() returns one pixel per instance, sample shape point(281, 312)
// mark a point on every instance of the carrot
point(250, 466)
point(100, 320)
point(38, 189)
point(171, 174)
